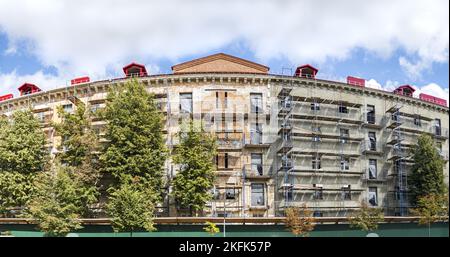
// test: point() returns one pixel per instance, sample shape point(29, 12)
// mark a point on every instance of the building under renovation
point(284, 140)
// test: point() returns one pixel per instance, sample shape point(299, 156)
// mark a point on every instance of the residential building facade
point(282, 140)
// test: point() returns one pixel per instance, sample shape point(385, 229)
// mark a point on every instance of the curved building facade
point(283, 140)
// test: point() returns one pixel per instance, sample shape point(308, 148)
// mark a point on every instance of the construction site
point(283, 139)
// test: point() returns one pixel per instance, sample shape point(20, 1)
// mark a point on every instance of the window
point(286, 103)
point(226, 160)
point(40, 116)
point(316, 165)
point(186, 103)
point(230, 193)
point(343, 109)
point(437, 126)
point(257, 194)
point(256, 102)
point(373, 196)
point(225, 100)
point(345, 163)
point(344, 133)
point(395, 115)
point(372, 169)
point(257, 163)
point(289, 194)
point(417, 121)
point(286, 162)
point(256, 133)
point(318, 192)
point(315, 106)
point(96, 107)
point(346, 193)
point(316, 129)
point(316, 138)
point(68, 108)
point(372, 141)
point(317, 214)
point(370, 114)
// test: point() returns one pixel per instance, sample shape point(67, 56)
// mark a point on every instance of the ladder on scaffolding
point(399, 159)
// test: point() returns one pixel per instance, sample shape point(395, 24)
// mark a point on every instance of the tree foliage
point(194, 180)
point(15, 190)
point(22, 144)
point(131, 208)
point(299, 220)
point(79, 147)
point(57, 203)
point(427, 173)
point(211, 228)
point(431, 208)
point(22, 156)
point(136, 148)
point(367, 218)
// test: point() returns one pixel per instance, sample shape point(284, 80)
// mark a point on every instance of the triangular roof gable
point(27, 85)
point(239, 65)
point(297, 71)
point(133, 64)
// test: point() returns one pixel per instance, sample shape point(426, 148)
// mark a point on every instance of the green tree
point(22, 144)
point(22, 156)
point(79, 150)
point(15, 190)
point(367, 218)
point(136, 148)
point(299, 220)
point(131, 207)
point(427, 173)
point(211, 228)
point(431, 208)
point(195, 178)
point(57, 202)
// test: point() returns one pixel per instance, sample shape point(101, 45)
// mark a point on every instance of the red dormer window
point(306, 71)
point(6, 97)
point(405, 90)
point(356, 81)
point(135, 70)
point(28, 88)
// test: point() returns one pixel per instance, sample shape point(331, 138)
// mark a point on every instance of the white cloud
point(97, 37)
point(372, 83)
point(430, 89)
point(434, 90)
point(9, 82)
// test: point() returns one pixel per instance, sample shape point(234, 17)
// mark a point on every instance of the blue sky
point(388, 43)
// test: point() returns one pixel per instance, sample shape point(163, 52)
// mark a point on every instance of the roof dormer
point(135, 70)
point(28, 88)
point(405, 90)
point(306, 71)
point(356, 81)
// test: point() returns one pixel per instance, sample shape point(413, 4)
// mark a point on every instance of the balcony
point(439, 132)
point(229, 140)
point(443, 155)
point(257, 171)
point(327, 113)
point(375, 175)
point(371, 147)
point(256, 140)
point(373, 121)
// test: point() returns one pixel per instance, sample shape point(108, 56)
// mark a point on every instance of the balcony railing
point(331, 112)
point(232, 140)
point(368, 146)
point(439, 131)
point(256, 170)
